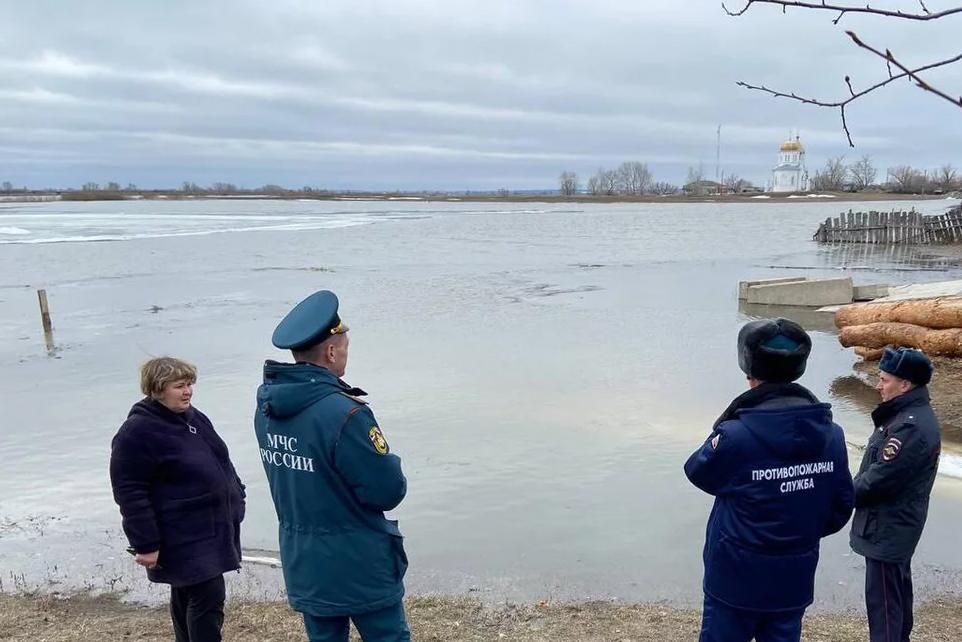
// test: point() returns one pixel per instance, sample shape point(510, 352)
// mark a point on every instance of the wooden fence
point(892, 228)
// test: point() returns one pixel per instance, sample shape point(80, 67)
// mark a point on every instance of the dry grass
point(103, 619)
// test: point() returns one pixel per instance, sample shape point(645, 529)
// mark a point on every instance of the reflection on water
point(862, 256)
point(857, 391)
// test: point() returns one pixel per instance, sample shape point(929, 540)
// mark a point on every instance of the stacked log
point(940, 312)
point(931, 325)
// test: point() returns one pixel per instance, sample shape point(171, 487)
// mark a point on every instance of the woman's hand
point(147, 560)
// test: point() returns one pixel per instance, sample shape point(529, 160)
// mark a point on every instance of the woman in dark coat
point(181, 499)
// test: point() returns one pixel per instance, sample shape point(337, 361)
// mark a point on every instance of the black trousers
point(198, 610)
point(888, 600)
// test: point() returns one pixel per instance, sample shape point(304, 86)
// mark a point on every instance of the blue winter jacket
point(778, 468)
point(331, 475)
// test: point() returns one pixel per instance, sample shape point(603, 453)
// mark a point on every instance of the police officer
point(892, 490)
point(332, 475)
point(778, 468)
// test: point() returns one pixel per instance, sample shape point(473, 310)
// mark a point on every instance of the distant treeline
point(633, 178)
point(860, 175)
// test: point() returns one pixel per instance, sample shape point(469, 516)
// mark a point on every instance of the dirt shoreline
point(433, 619)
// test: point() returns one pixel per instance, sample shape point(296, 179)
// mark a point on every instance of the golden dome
point(791, 146)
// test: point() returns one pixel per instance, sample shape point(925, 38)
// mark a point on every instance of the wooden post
point(44, 311)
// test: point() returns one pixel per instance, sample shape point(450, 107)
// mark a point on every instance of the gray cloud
point(425, 94)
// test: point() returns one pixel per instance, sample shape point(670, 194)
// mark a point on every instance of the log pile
point(931, 325)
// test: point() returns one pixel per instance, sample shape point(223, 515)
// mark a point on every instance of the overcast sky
point(431, 94)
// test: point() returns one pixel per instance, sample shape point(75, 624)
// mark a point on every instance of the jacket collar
point(304, 371)
point(154, 408)
point(888, 409)
point(764, 393)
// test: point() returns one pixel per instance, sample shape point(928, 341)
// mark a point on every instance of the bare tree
point(832, 177)
point(6, 187)
point(896, 69)
point(633, 178)
point(904, 179)
point(862, 172)
point(664, 188)
point(223, 188)
point(946, 178)
point(568, 182)
point(594, 185)
point(734, 184)
point(604, 183)
point(113, 187)
point(90, 187)
point(130, 188)
point(696, 174)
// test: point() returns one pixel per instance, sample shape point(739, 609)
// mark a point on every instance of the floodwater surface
point(544, 370)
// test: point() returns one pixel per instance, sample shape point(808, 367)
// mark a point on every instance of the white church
point(790, 174)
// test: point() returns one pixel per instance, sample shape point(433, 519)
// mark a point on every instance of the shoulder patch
point(891, 449)
point(377, 438)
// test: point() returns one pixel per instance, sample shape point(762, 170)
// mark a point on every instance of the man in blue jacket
point(778, 468)
point(892, 490)
point(332, 476)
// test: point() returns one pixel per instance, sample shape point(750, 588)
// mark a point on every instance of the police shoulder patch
point(377, 438)
point(891, 449)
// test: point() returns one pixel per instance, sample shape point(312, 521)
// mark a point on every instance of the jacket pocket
point(187, 520)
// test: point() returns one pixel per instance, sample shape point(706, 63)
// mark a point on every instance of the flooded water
point(543, 370)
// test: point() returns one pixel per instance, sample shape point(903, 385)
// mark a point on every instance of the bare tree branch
point(843, 9)
point(912, 74)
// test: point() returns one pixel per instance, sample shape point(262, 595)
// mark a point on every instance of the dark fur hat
point(774, 350)
point(906, 363)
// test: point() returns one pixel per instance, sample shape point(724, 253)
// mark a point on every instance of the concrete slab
point(744, 285)
point(809, 293)
point(913, 291)
point(923, 291)
point(870, 292)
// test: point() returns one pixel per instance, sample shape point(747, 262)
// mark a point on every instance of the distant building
point(704, 188)
point(790, 174)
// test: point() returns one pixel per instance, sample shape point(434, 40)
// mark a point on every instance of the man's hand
point(147, 560)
